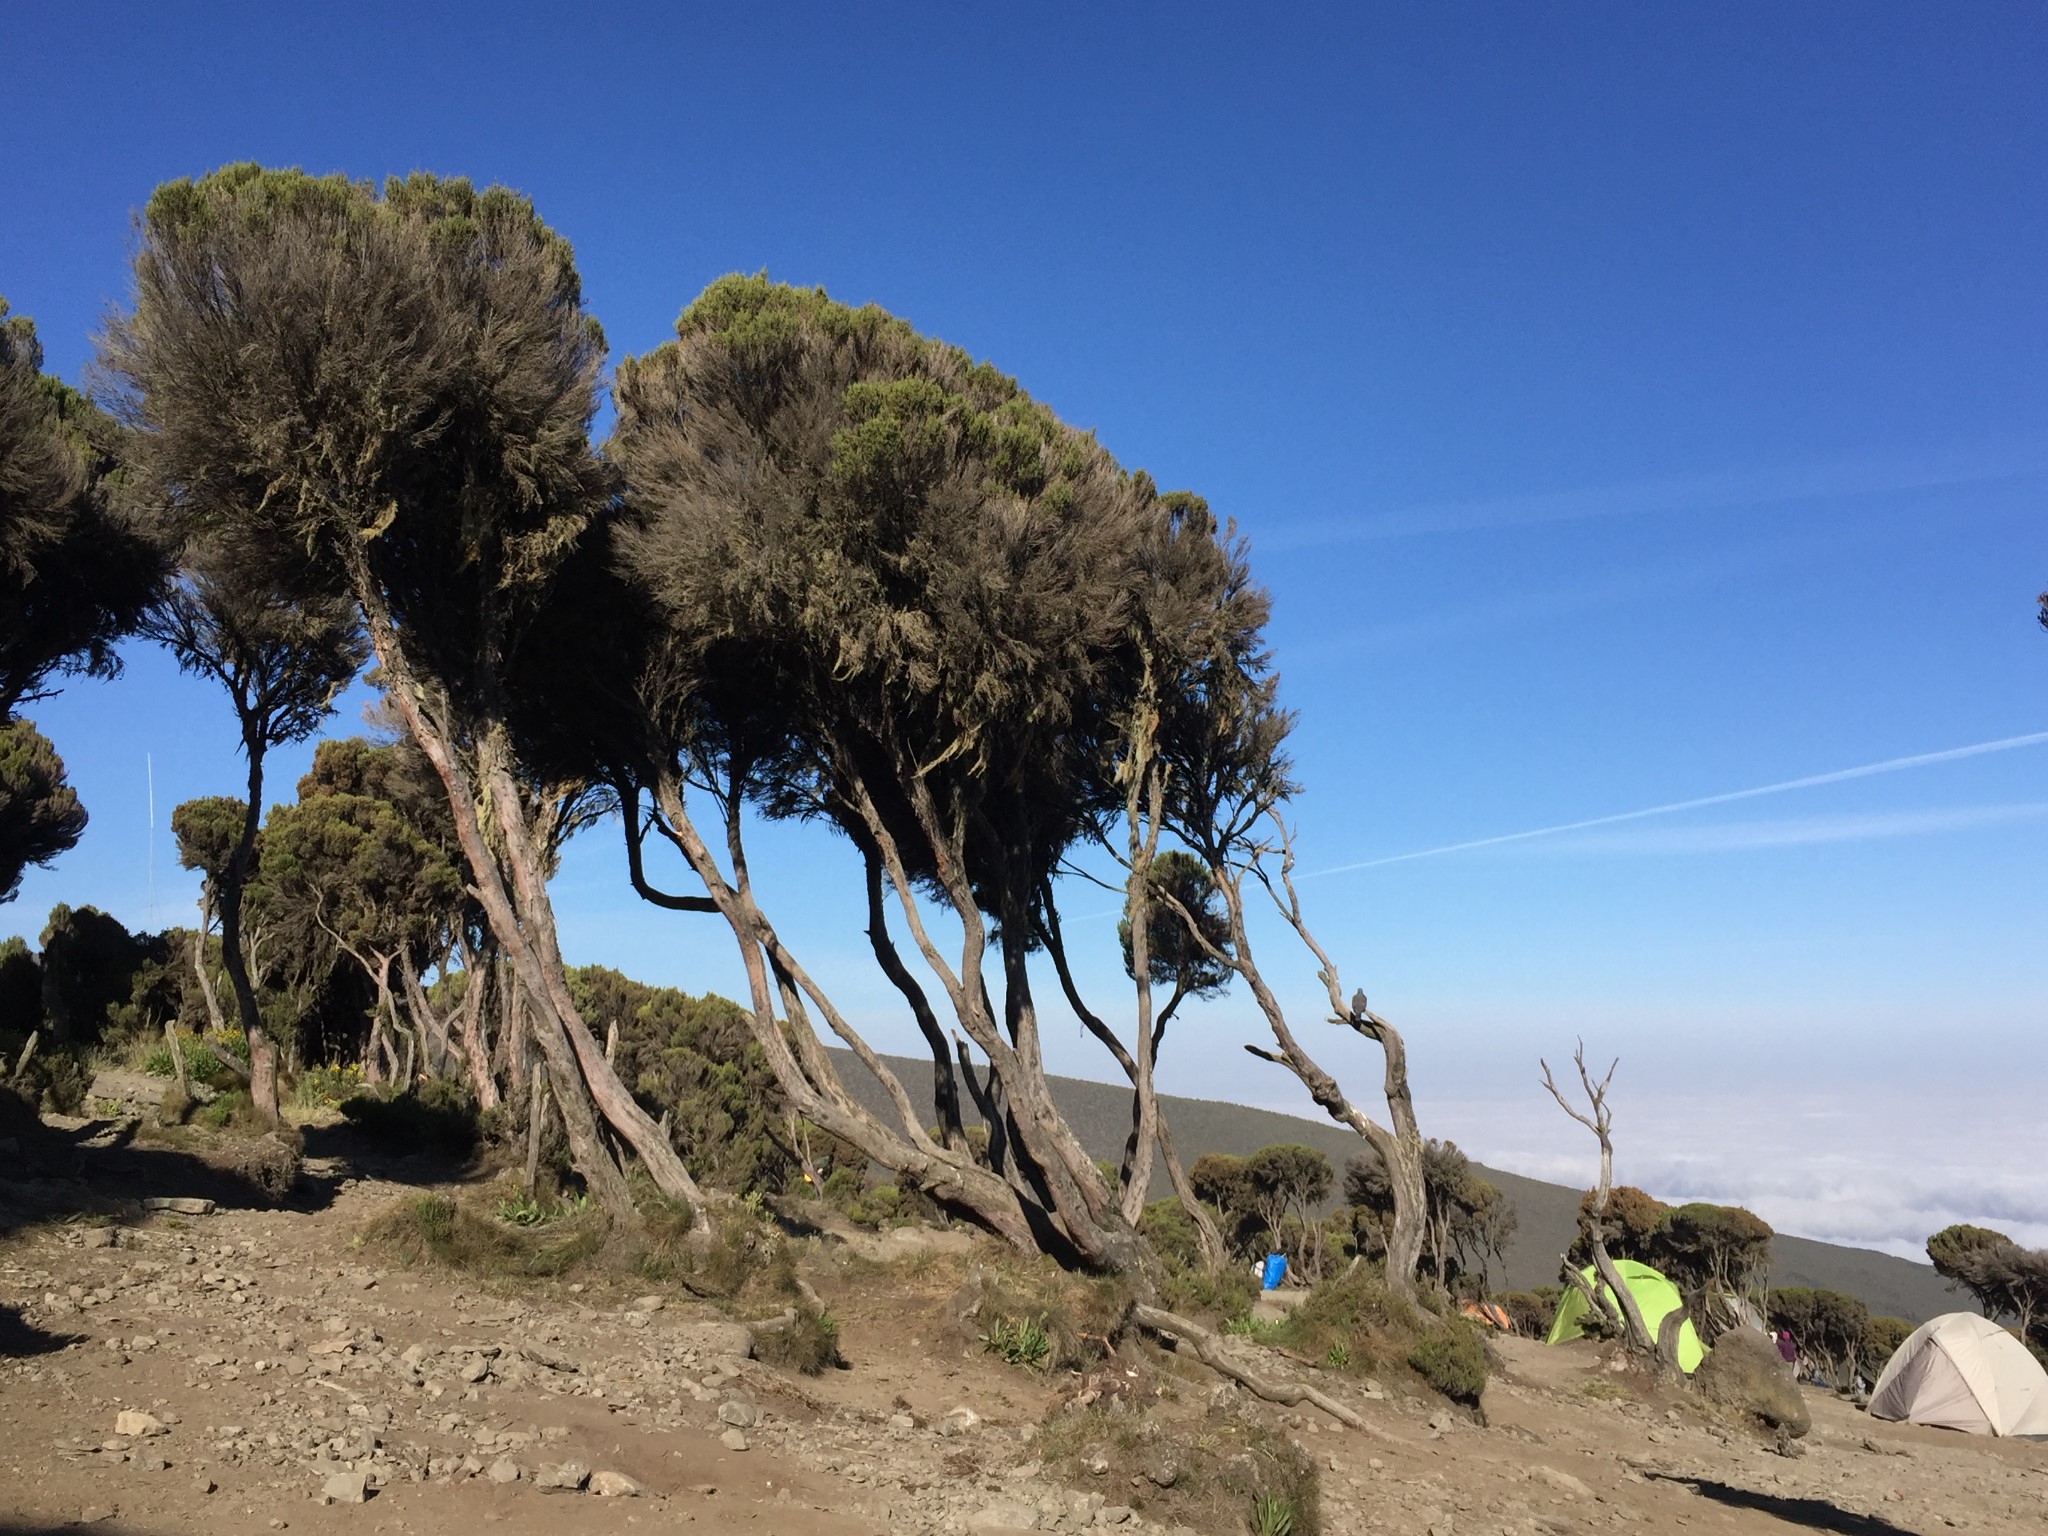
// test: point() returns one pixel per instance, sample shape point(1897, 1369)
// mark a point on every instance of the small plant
point(1338, 1356)
point(522, 1210)
point(1019, 1341)
point(1248, 1327)
point(1272, 1516)
point(328, 1087)
point(756, 1206)
point(160, 1063)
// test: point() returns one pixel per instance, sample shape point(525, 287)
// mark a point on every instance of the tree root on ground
point(1210, 1351)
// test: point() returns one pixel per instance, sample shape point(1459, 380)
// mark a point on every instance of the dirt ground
point(277, 1357)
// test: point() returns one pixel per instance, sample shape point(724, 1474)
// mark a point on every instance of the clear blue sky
point(1626, 404)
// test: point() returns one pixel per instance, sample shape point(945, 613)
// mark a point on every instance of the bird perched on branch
point(1358, 1008)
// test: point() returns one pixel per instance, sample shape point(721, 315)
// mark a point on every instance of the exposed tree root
point(1210, 1351)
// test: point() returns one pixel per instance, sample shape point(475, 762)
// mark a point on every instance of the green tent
point(1655, 1297)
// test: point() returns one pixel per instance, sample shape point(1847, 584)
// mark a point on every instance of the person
point(1788, 1351)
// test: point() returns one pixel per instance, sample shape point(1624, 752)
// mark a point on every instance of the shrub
point(1019, 1341)
point(56, 1080)
point(808, 1343)
point(1358, 1312)
point(1226, 1462)
point(1272, 1516)
point(1530, 1311)
point(1452, 1359)
point(328, 1087)
point(438, 1115)
point(434, 1229)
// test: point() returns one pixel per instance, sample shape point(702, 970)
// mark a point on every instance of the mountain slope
point(1546, 1213)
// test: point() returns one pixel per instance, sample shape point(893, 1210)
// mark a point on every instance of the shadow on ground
point(104, 1169)
point(19, 1339)
point(1809, 1514)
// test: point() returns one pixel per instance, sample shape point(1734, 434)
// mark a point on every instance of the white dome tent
point(1961, 1371)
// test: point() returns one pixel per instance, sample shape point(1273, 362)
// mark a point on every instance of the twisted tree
point(233, 617)
point(75, 576)
point(398, 386)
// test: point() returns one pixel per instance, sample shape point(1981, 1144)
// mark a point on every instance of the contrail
point(1890, 765)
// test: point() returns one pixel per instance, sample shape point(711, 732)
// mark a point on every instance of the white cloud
point(1872, 1168)
point(1817, 480)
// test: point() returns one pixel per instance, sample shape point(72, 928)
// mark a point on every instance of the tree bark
point(1400, 1144)
point(262, 1059)
point(1210, 1351)
point(521, 920)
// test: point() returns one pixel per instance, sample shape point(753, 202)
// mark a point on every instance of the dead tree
point(1611, 1299)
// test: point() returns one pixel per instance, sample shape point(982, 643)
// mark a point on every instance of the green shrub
point(1356, 1311)
point(1272, 1516)
point(328, 1087)
point(1452, 1359)
point(437, 1116)
point(809, 1343)
point(1019, 1341)
point(437, 1230)
point(876, 1207)
point(1530, 1311)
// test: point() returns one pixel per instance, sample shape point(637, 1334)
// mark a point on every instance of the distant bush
point(1882, 1337)
point(1530, 1311)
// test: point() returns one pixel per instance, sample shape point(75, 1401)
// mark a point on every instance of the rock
point(738, 1413)
point(958, 1421)
point(152, 1464)
point(1114, 1514)
point(93, 1514)
point(613, 1485)
point(204, 1484)
point(179, 1205)
point(476, 1368)
point(733, 1440)
point(1004, 1515)
point(715, 1339)
point(1162, 1472)
point(133, 1421)
point(1563, 1482)
point(346, 1488)
point(1744, 1371)
point(504, 1470)
point(100, 1237)
point(570, 1475)
point(902, 1421)
point(648, 1303)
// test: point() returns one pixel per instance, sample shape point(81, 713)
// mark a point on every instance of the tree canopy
point(75, 574)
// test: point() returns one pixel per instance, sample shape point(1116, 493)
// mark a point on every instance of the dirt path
point(281, 1364)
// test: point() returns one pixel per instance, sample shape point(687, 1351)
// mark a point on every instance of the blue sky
point(1627, 405)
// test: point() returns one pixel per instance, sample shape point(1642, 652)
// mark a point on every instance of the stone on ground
point(1744, 1371)
point(504, 1470)
point(569, 1474)
point(346, 1488)
point(133, 1421)
point(613, 1485)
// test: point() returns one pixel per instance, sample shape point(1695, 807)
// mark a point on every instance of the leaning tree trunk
point(233, 880)
point(521, 921)
point(1599, 1120)
point(1399, 1143)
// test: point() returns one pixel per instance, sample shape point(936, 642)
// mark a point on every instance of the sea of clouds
point(1870, 1167)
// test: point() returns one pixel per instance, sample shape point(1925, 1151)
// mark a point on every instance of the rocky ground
point(255, 1370)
